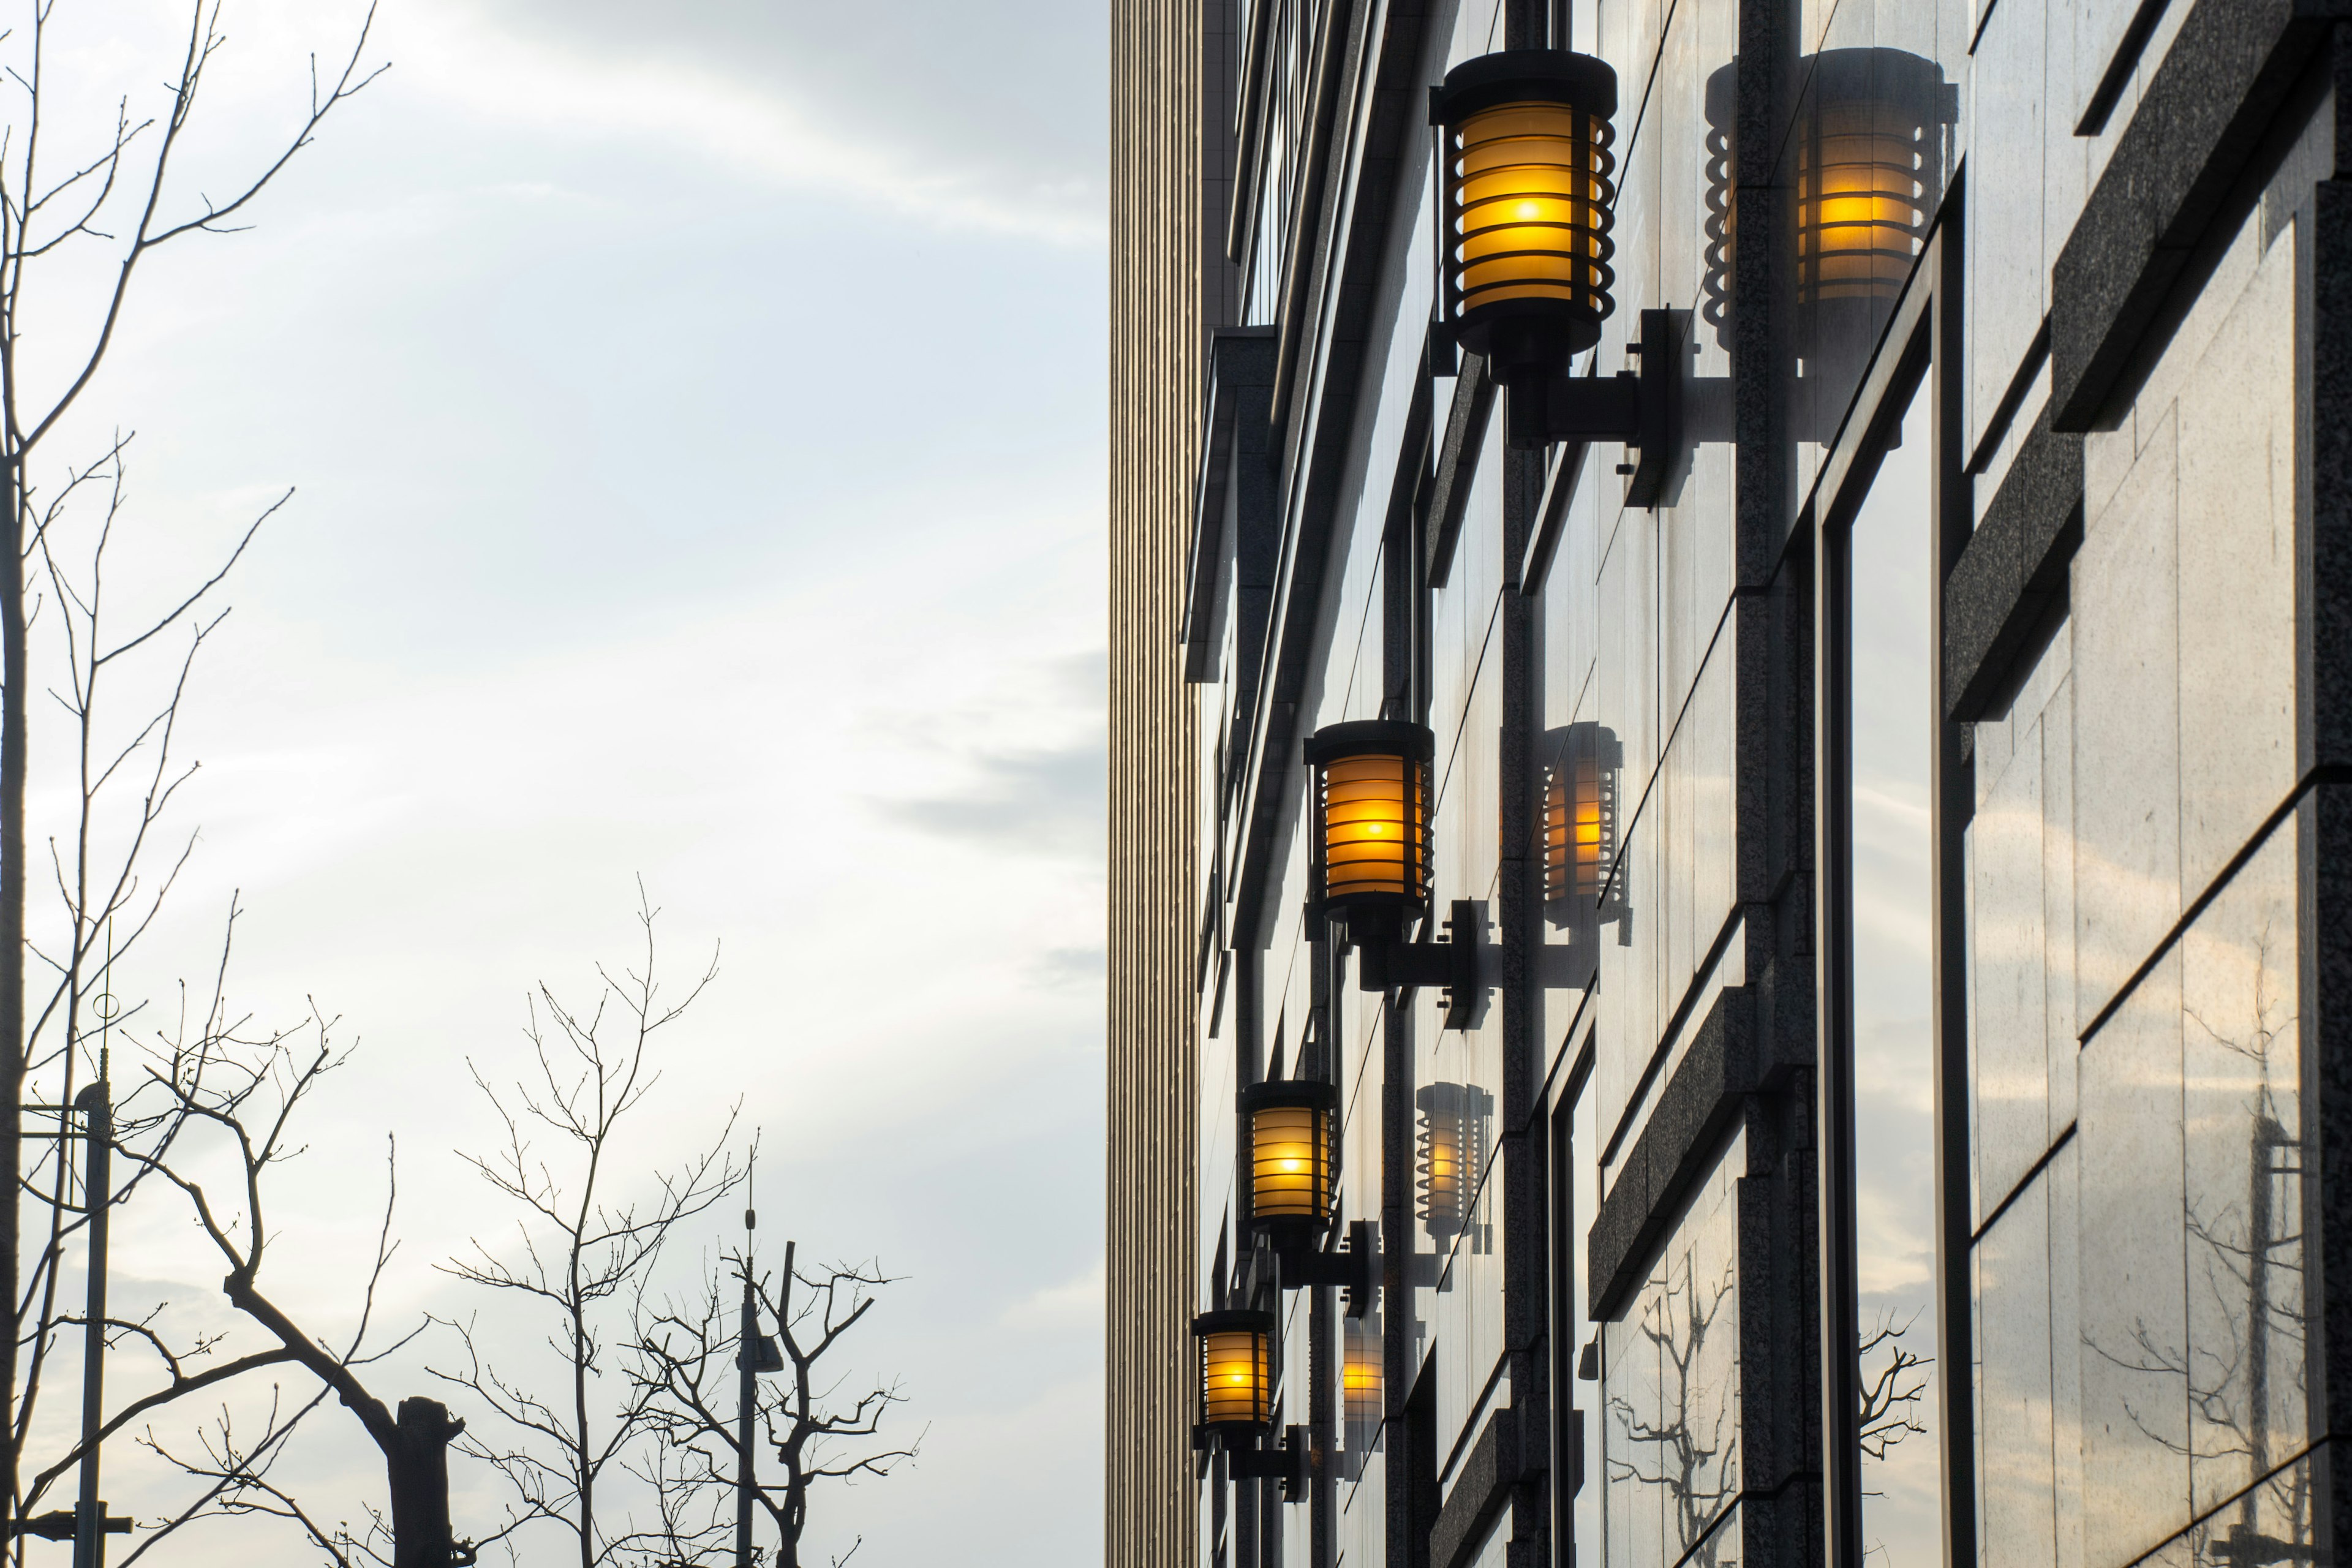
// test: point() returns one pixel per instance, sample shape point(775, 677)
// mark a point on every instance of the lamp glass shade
point(1528, 198)
point(1531, 202)
point(1372, 813)
point(1236, 1370)
point(1289, 1125)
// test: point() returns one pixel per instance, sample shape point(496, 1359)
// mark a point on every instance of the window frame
point(1923, 344)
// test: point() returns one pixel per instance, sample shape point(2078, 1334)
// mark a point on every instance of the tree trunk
point(418, 1464)
point(12, 682)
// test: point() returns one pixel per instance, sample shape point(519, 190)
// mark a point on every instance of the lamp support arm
point(1451, 961)
point(1644, 409)
point(1286, 1462)
point(1354, 1268)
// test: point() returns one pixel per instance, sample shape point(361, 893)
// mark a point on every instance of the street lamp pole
point(747, 1400)
point(98, 1191)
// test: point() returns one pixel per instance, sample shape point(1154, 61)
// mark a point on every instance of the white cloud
point(552, 83)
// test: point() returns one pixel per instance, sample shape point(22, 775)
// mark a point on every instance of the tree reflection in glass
point(1672, 1432)
point(2240, 1371)
point(1893, 989)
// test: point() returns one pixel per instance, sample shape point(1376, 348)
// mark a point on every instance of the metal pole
point(746, 1403)
point(98, 1127)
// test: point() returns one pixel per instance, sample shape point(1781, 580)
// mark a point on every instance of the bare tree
point(582, 1250)
point(686, 1354)
point(227, 1100)
point(113, 200)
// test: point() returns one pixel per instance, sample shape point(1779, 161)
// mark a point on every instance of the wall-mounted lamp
point(1525, 202)
point(1371, 851)
point(1449, 1145)
point(1372, 820)
point(1292, 1128)
point(1236, 1371)
point(1236, 1406)
point(1526, 206)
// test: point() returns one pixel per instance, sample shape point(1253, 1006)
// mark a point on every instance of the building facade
point(1847, 1062)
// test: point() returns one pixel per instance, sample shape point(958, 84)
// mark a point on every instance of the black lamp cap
point(1234, 1321)
point(1371, 738)
point(1526, 76)
point(1310, 1092)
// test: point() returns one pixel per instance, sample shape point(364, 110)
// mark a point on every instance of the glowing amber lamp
point(1236, 1371)
point(1289, 1124)
point(1371, 814)
point(1527, 204)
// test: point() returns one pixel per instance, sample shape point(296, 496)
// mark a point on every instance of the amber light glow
point(1524, 176)
point(1290, 1127)
point(1372, 808)
point(1236, 1369)
point(1532, 196)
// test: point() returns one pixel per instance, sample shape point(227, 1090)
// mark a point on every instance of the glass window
point(1889, 828)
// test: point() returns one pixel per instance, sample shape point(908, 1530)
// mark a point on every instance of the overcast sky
point(696, 420)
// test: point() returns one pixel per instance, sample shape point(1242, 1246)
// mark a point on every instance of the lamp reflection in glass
point(1721, 229)
point(1236, 1371)
point(1371, 822)
point(1449, 1145)
point(1583, 881)
point(1289, 1123)
point(1360, 1384)
point(1869, 175)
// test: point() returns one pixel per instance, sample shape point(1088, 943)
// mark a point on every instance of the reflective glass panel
point(1894, 1100)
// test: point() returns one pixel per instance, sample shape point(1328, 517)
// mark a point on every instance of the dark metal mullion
point(1564, 1414)
point(1954, 804)
point(1322, 1328)
point(1834, 864)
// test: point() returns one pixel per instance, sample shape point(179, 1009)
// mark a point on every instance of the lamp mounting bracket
point(1451, 961)
point(1643, 409)
point(1354, 1268)
point(1286, 1462)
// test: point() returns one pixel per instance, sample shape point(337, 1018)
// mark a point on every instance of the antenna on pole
point(754, 1354)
